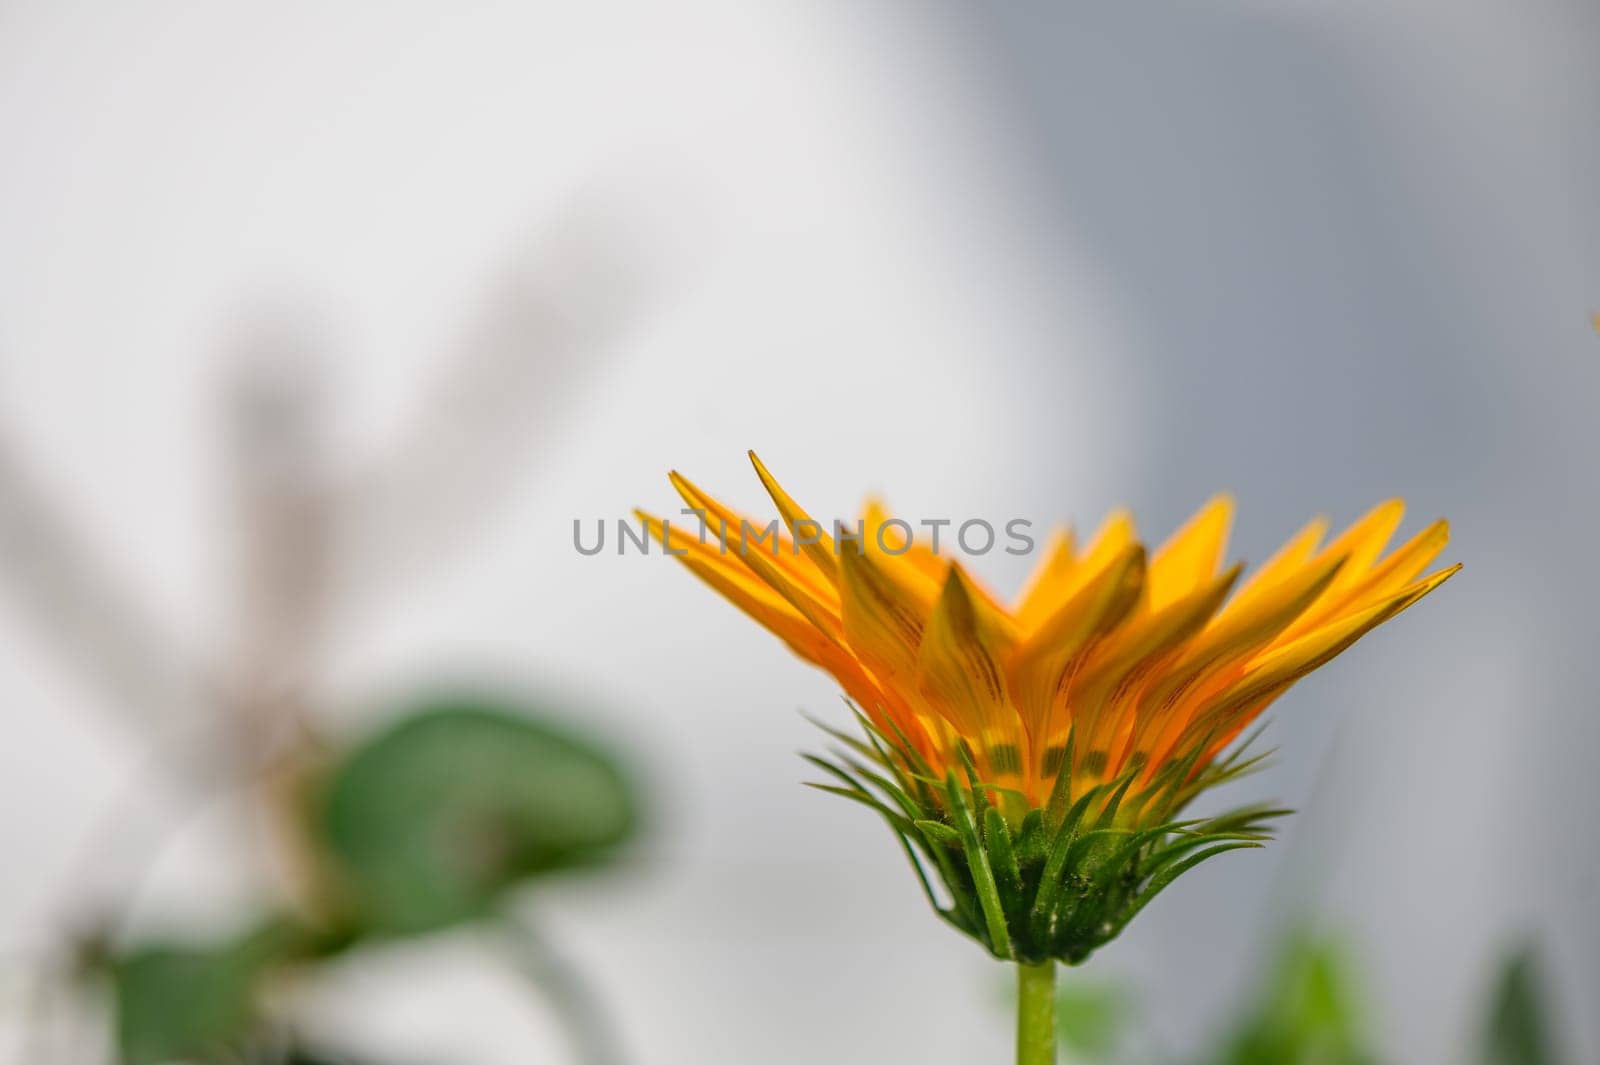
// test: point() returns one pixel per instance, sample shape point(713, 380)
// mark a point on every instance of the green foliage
point(1089, 1018)
point(433, 819)
point(1519, 1030)
point(190, 1002)
point(1308, 1013)
point(424, 825)
point(1040, 884)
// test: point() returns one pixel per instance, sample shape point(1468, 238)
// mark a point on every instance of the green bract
point(1035, 883)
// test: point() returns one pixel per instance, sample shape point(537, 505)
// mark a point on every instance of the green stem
point(593, 1033)
point(1036, 1013)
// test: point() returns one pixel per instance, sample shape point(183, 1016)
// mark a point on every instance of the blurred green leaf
point(1519, 1029)
point(1092, 1014)
point(1089, 1017)
point(432, 819)
point(192, 1003)
point(1308, 1013)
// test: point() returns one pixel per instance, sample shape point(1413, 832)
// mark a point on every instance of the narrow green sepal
point(1003, 859)
point(939, 833)
point(980, 870)
point(1029, 882)
point(1031, 838)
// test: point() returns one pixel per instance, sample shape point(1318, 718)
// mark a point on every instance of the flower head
point(1035, 754)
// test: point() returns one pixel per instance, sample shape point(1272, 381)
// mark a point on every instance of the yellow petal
point(820, 552)
point(1041, 595)
point(1193, 554)
point(1289, 559)
point(1397, 570)
point(1239, 630)
point(1145, 661)
point(885, 538)
point(1366, 541)
point(1232, 635)
point(1120, 661)
point(1115, 536)
point(1040, 667)
point(739, 586)
point(758, 600)
point(818, 605)
point(958, 670)
point(883, 621)
point(1363, 542)
point(747, 540)
point(1282, 666)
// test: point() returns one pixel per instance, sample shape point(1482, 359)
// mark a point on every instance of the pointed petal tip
point(1429, 583)
point(690, 491)
point(1388, 512)
point(653, 525)
point(874, 503)
point(769, 482)
point(957, 575)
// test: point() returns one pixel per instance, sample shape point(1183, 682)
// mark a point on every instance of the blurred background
point(321, 323)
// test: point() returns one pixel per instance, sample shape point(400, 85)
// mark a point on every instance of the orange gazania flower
point(1142, 660)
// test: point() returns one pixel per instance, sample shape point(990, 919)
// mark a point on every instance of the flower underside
point(1063, 879)
point(1036, 754)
